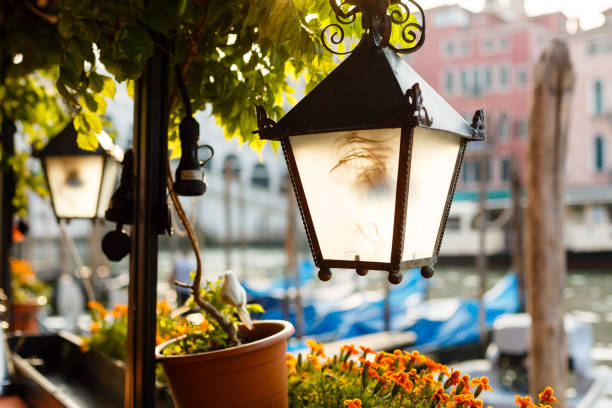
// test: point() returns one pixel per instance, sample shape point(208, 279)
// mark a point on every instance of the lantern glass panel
point(434, 154)
point(349, 180)
point(111, 170)
point(74, 182)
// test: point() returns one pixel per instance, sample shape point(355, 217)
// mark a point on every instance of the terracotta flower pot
point(252, 375)
point(25, 317)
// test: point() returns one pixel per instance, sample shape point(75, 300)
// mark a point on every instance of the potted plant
point(221, 361)
point(29, 295)
point(362, 378)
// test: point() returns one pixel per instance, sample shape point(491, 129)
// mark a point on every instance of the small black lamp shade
point(80, 182)
point(374, 155)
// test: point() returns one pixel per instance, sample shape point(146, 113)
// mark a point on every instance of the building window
point(505, 169)
point(522, 77)
point(449, 48)
point(504, 43)
point(465, 48)
point(599, 154)
point(231, 166)
point(488, 74)
point(504, 127)
point(453, 223)
point(598, 97)
point(464, 80)
point(503, 76)
point(259, 177)
point(487, 45)
point(449, 81)
point(521, 128)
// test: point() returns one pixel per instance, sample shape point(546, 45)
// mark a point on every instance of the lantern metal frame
point(371, 59)
point(65, 144)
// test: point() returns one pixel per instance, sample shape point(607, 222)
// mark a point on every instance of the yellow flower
point(94, 327)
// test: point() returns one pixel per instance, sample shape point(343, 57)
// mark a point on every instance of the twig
point(50, 18)
point(225, 324)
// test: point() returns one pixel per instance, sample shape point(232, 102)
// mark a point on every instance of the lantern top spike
point(378, 18)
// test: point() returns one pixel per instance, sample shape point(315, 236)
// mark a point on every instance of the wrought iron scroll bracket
point(378, 19)
point(478, 125)
point(412, 112)
point(266, 127)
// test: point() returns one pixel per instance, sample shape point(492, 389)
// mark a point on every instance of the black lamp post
point(80, 182)
point(374, 152)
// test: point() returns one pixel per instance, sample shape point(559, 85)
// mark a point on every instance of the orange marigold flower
point(94, 327)
point(354, 403)
point(316, 348)
point(366, 350)
point(524, 402)
point(97, 307)
point(351, 349)
point(163, 308)
point(547, 396)
point(454, 378)
point(119, 311)
point(290, 361)
point(441, 396)
point(481, 382)
point(466, 398)
point(373, 373)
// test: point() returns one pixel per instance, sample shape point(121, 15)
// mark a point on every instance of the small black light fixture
point(116, 243)
point(373, 151)
point(190, 179)
point(80, 182)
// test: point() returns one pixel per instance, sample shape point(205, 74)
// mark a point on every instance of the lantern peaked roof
point(364, 92)
point(65, 144)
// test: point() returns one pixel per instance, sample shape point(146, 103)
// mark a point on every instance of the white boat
point(506, 365)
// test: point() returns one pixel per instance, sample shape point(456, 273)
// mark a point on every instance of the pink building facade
point(487, 59)
point(589, 161)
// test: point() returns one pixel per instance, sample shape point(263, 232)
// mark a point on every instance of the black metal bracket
point(266, 127)
point(412, 112)
point(478, 125)
point(378, 18)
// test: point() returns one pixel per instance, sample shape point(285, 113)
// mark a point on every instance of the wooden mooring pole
point(545, 269)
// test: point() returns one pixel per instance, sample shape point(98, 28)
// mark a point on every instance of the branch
point(49, 17)
point(225, 324)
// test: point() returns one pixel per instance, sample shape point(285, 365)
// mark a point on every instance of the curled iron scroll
point(379, 18)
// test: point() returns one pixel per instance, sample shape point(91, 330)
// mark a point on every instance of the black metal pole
point(7, 192)
point(150, 146)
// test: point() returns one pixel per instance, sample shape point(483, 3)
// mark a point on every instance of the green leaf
point(93, 121)
point(90, 102)
point(108, 90)
point(96, 83)
point(130, 88)
point(87, 141)
point(135, 42)
point(64, 26)
point(90, 30)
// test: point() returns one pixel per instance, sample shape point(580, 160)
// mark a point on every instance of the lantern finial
point(378, 19)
